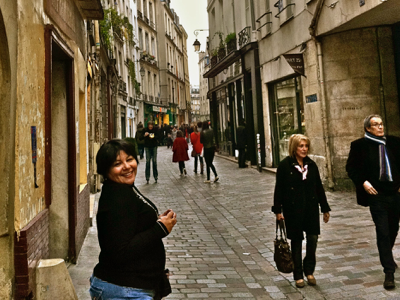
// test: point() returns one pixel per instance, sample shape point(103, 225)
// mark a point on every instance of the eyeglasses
point(377, 125)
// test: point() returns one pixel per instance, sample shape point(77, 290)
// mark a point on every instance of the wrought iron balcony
point(244, 36)
point(140, 15)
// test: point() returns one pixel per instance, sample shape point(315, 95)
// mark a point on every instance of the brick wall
point(83, 218)
point(31, 246)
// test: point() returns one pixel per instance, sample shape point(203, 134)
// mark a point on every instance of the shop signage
point(160, 109)
point(311, 98)
point(296, 61)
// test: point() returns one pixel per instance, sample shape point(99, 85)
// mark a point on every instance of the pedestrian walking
point(298, 195)
point(130, 232)
point(150, 147)
point(207, 139)
point(241, 143)
point(197, 147)
point(160, 136)
point(173, 133)
point(374, 167)
point(139, 137)
point(180, 149)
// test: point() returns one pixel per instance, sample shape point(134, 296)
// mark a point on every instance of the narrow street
point(222, 246)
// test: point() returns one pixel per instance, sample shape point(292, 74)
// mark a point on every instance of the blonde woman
point(298, 195)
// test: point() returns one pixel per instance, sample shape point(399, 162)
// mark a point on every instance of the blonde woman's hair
point(294, 142)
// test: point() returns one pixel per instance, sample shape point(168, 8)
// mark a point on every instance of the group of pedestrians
point(202, 139)
point(374, 167)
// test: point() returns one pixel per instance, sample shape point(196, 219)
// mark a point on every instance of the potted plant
point(214, 55)
point(221, 51)
point(230, 41)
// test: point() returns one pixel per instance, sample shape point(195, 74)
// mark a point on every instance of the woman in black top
point(130, 231)
point(207, 139)
point(298, 195)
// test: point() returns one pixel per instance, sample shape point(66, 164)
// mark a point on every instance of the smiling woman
point(130, 231)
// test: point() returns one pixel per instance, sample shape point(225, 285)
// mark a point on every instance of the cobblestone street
point(222, 245)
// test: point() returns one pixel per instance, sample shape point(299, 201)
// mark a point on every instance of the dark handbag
point(165, 287)
point(282, 254)
point(194, 153)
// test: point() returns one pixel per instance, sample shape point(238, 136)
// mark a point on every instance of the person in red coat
point(180, 149)
point(197, 146)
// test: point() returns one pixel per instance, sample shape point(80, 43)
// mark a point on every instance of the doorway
point(60, 176)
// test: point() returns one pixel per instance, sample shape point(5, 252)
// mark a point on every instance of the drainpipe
point(320, 68)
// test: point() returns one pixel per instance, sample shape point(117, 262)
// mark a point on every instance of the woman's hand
point(146, 134)
point(168, 218)
point(279, 217)
point(326, 217)
point(369, 188)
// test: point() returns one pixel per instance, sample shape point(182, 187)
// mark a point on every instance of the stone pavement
point(222, 245)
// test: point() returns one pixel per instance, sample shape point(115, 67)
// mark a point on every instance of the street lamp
point(142, 72)
point(196, 43)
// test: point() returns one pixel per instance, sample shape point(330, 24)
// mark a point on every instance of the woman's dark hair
point(179, 133)
point(205, 125)
point(199, 124)
point(108, 153)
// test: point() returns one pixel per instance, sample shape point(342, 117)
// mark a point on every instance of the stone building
point(172, 52)
point(195, 103)
point(351, 56)
point(234, 77)
point(204, 66)
point(44, 203)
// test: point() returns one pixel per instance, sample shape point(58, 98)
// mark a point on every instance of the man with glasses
point(374, 167)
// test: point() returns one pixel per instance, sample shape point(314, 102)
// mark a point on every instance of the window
point(141, 38)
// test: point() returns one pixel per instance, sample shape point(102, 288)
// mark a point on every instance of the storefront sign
point(311, 98)
point(159, 109)
point(296, 61)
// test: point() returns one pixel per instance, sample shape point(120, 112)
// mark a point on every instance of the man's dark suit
point(363, 165)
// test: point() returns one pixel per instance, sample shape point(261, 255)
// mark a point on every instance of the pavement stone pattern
point(222, 245)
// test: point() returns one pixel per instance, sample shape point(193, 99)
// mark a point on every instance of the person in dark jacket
point(180, 149)
point(150, 135)
point(298, 195)
point(241, 143)
point(374, 167)
point(140, 139)
point(207, 139)
point(130, 231)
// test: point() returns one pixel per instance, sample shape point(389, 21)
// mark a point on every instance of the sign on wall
point(296, 61)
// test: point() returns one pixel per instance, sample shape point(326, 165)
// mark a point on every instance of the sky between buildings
point(193, 15)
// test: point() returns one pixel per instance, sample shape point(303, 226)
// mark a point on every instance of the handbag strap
point(282, 228)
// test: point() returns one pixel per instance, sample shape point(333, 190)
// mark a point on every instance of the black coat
point(241, 137)
point(299, 199)
point(363, 164)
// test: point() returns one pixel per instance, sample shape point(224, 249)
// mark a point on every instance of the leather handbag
point(194, 153)
point(282, 255)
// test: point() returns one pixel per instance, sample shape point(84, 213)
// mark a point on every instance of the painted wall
point(29, 200)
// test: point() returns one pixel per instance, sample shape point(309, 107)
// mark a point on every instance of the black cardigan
point(132, 252)
point(299, 199)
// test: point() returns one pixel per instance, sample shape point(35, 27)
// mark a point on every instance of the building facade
point(44, 206)
point(234, 77)
point(204, 67)
point(195, 104)
point(350, 52)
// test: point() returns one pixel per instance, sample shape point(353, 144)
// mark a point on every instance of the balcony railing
point(157, 99)
point(146, 19)
point(244, 36)
point(140, 15)
point(231, 46)
point(122, 86)
point(151, 98)
point(144, 97)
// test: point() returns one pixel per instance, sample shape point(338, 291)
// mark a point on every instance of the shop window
point(287, 114)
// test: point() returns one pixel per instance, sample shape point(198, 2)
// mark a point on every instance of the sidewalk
point(222, 246)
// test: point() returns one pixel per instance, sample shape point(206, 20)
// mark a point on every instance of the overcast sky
point(193, 15)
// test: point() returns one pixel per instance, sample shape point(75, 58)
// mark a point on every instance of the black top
point(207, 138)
point(151, 140)
point(241, 137)
point(363, 164)
point(299, 199)
point(132, 252)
